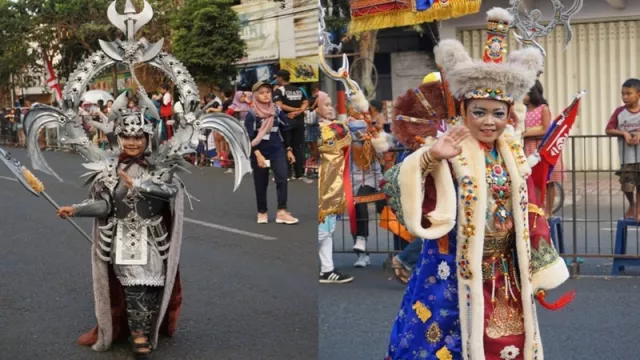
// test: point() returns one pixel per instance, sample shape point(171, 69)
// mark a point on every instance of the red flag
point(553, 144)
point(52, 80)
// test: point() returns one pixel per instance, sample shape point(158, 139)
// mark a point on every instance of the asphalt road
point(250, 291)
point(355, 319)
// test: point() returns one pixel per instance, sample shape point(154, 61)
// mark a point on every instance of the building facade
point(603, 54)
point(279, 35)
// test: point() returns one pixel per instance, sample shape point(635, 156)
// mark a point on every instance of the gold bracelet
point(427, 162)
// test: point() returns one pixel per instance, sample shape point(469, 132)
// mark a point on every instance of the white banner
point(259, 30)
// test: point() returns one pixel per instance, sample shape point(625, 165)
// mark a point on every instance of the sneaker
point(360, 245)
point(306, 180)
point(263, 218)
point(284, 217)
point(229, 171)
point(363, 261)
point(334, 277)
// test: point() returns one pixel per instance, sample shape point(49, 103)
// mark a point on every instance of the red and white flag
point(553, 143)
point(52, 80)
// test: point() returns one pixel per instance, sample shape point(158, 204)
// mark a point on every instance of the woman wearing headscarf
point(333, 144)
point(266, 125)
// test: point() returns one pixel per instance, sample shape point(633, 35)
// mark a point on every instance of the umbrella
point(93, 96)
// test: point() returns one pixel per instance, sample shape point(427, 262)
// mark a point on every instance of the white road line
point(206, 224)
point(629, 228)
point(229, 229)
point(8, 178)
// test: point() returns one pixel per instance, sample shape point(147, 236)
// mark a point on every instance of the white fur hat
point(475, 79)
point(489, 78)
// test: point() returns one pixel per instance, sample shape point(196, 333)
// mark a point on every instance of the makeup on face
point(486, 119)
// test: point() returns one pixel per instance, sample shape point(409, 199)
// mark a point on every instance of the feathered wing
point(71, 133)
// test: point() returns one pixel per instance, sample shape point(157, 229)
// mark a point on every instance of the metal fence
point(593, 204)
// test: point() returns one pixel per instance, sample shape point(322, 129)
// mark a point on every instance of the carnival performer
point(137, 238)
point(487, 250)
point(136, 197)
point(333, 146)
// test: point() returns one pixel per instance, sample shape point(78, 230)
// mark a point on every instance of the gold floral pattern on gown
point(499, 266)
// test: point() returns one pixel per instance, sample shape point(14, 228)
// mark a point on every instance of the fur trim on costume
point(499, 14)
point(443, 217)
point(530, 58)
point(359, 102)
point(470, 165)
point(382, 143)
point(474, 78)
point(550, 277)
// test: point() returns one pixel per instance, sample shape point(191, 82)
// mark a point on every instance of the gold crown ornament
point(495, 48)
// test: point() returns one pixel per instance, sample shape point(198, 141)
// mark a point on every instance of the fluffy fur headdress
point(490, 78)
point(475, 79)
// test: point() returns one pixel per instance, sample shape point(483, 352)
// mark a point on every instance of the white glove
point(170, 122)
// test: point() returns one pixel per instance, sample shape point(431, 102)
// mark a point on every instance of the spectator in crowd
point(211, 104)
point(166, 111)
point(625, 124)
point(13, 126)
point(240, 105)
point(312, 131)
point(268, 130)
point(537, 121)
point(293, 101)
point(4, 127)
point(375, 109)
point(227, 100)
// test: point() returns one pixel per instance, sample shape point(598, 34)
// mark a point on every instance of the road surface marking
point(629, 228)
point(229, 229)
point(204, 223)
point(8, 178)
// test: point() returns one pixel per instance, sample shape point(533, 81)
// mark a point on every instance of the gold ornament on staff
point(33, 185)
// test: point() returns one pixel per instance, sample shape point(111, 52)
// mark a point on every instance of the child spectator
point(625, 123)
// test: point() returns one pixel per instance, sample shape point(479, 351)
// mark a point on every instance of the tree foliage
point(206, 33)
point(15, 53)
point(206, 38)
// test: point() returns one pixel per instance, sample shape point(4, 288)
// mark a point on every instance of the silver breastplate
point(125, 201)
point(135, 225)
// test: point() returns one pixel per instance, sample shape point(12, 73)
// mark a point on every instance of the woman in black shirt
point(269, 133)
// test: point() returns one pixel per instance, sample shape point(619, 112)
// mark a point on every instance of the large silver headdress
point(130, 52)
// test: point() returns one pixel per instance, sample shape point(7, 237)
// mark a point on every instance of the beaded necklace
point(500, 186)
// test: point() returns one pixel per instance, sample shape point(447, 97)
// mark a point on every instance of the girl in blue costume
point(486, 248)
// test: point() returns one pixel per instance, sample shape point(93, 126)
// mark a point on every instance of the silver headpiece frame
point(131, 51)
point(528, 27)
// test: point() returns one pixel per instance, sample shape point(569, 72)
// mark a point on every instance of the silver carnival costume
point(138, 229)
